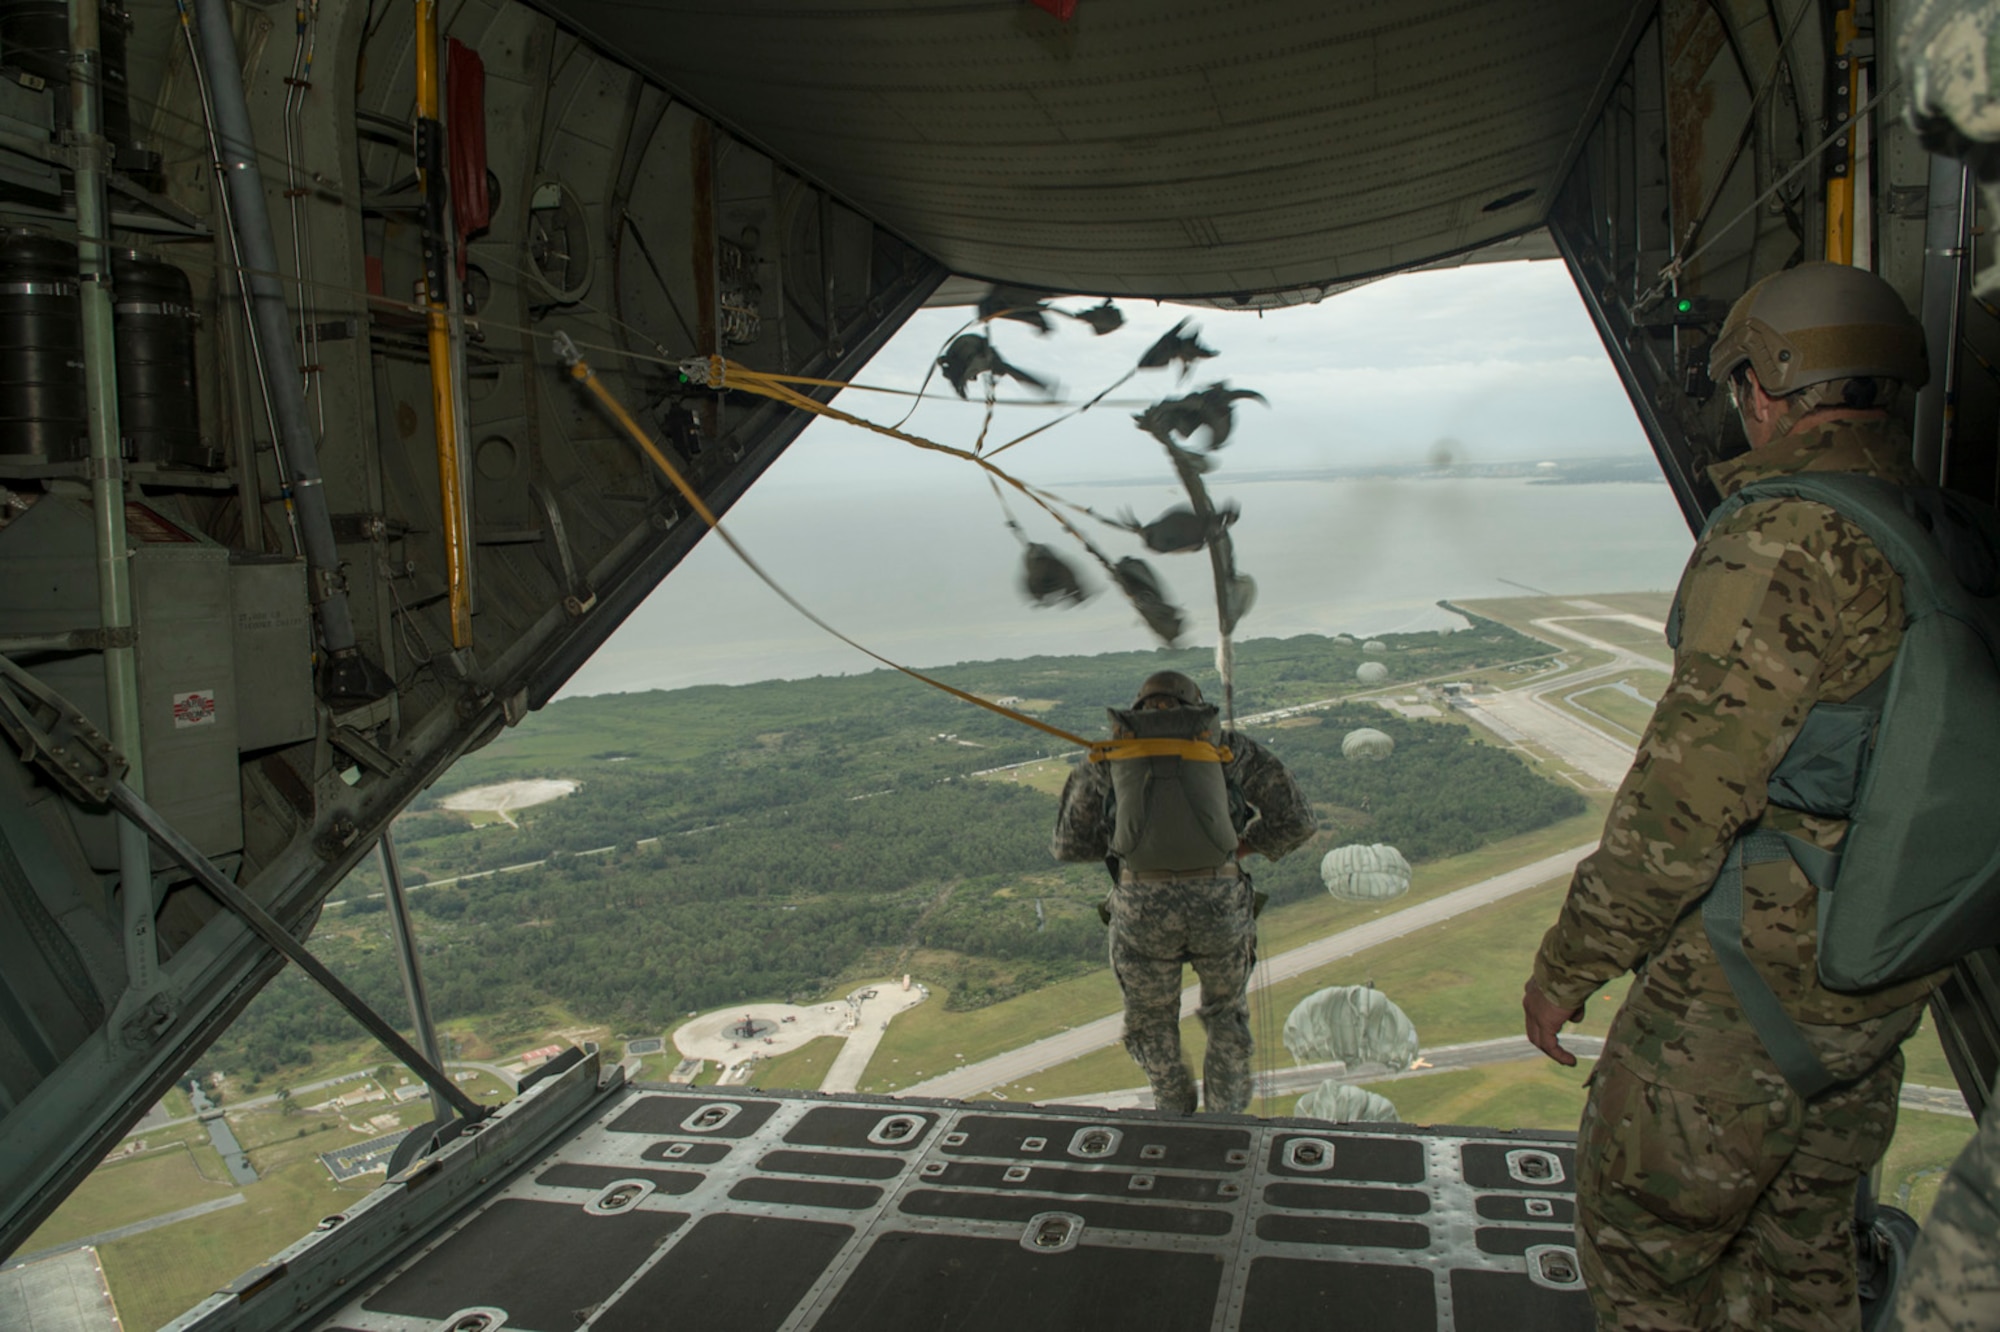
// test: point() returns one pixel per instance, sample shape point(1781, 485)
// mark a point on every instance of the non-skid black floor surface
point(923, 1283)
point(540, 1261)
point(730, 1273)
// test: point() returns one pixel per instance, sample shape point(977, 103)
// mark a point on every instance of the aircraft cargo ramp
point(627, 1207)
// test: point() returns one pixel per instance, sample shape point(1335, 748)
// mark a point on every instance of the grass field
point(1533, 1094)
point(929, 1040)
point(1610, 704)
point(1459, 981)
point(1646, 642)
point(158, 1275)
point(1924, 1147)
point(804, 1068)
point(121, 1192)
point(1047, 776)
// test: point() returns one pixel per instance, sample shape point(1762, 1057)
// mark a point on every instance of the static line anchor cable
point(1098, 750)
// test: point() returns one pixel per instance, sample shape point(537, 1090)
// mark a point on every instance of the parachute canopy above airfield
point(1357, 1024)
point(1371, 672)
point(1343, 1103)
point(1357, 873)
point(1367, 743)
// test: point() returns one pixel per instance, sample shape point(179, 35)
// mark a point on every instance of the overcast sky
point(907, 550)
point(1500, 359)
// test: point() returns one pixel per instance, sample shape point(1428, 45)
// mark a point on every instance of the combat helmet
point(1808, 332)
point(1171, 684)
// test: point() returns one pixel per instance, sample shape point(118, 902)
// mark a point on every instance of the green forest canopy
point(770, 841)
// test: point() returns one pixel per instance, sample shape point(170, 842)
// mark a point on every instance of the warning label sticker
point(194, 708)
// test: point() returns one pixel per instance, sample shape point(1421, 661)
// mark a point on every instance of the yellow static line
point(581, 372)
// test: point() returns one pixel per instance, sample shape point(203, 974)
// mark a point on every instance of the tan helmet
point(1171, 684)
point(1819, 325)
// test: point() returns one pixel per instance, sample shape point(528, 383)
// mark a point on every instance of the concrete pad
point(781, 1028)
point(65, 1293)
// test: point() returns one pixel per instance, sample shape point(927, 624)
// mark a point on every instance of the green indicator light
point(1684, 306)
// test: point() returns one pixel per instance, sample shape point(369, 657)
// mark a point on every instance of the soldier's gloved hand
point(1545, 1021)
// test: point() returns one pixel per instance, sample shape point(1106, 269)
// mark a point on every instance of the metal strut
point(58, 739)
point(271, 932)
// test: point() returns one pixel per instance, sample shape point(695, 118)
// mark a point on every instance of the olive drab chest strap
point(1170, 800)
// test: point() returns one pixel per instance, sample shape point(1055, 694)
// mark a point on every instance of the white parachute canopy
point(1367, 743)
point(1339, 1102)
point(1371, 672)
point(1374, 645)
point(1357, 873)
point(1356, 1024)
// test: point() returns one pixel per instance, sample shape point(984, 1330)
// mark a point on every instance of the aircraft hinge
point(54, 736)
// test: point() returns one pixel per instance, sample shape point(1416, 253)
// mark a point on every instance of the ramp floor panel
point(780, 1212)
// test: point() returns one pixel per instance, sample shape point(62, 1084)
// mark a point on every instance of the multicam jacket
point(1282, 820)
point(1784, 603)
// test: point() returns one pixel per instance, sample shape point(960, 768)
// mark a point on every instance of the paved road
point(844, 1074)
point(1081, 1040)
point(1526, 714)
point(104, 1237)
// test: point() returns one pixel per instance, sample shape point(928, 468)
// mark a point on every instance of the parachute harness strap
point(1194, 751)
point(580, 371)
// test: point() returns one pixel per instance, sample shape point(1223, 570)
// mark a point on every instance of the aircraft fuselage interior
point(300, 502)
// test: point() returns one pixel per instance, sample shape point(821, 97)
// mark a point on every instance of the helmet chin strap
point(1802, 404)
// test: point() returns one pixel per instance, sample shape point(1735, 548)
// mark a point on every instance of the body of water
point(928, 575)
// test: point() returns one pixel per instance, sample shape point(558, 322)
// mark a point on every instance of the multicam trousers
point(1695, 1212)
point(1155, 928)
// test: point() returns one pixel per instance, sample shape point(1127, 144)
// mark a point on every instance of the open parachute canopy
point(1357, 873)
point(1339, 1102)
point(1356, 1024)
point(1367, 743)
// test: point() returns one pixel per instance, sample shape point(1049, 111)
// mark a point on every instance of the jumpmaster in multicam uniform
point(1174, 825)
point(1711, 1193)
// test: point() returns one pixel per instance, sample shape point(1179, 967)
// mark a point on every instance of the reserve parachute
point(1367, 743)
point(1357, 873)
point(1356, 1024)
point(1340, 1102)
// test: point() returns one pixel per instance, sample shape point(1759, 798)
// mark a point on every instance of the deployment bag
point(1913, 764)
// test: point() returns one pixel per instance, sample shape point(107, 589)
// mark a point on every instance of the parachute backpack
point(1171, 800)
point(1912, 762)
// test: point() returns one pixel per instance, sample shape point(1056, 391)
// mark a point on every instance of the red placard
point(1062, 9)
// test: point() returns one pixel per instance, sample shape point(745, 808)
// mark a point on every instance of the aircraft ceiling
point(1238, 148)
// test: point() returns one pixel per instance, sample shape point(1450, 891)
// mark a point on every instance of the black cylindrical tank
point(152, 306)
point(43, 416)
point(34, 38)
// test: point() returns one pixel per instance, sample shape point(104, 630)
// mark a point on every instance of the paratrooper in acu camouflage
point(1952, 1281)
point(1176, 827)
point(1950, 56)
point(1710, 1193)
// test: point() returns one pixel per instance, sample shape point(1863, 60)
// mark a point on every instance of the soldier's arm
point(1759, 613)
point(1080, 831)
point(1286, 819)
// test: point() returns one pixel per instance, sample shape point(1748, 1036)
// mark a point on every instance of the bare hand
point(1544, 1020)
